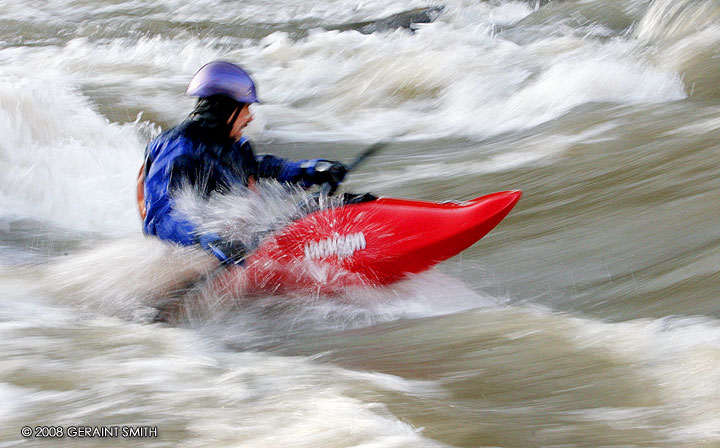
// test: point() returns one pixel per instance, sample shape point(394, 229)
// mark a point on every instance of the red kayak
point(367, 244)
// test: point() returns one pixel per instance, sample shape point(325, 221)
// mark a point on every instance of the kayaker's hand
point(228, 252)
point(329, 172)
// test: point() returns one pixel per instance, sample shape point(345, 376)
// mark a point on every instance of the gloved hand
point(319, 171)
point(228, 252)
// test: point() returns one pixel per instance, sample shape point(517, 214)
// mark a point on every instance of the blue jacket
point(189, 154)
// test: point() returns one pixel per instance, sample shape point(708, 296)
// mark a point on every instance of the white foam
point(673, 19)
point(61, 161)
point(456, 77)
point(682, 355)
point(123, 277)
point(435, 83)
point(177, 379)
point(452, 77)
point(256, 11)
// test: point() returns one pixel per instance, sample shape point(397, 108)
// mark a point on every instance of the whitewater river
point(590, 317)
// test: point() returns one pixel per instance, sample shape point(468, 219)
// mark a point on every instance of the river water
point(589, 317)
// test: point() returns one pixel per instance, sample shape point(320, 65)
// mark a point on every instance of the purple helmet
point(223, 78)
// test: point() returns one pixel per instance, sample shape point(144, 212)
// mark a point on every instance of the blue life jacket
point(188, 154)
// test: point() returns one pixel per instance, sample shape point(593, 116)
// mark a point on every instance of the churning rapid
point(589, 317)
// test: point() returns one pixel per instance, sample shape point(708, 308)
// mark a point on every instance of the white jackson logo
point(342, 246)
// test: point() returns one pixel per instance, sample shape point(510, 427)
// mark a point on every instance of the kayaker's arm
point(307, 172)
point(169, 226)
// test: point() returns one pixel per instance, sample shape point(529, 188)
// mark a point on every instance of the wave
point(62, 162)
point(687, 33)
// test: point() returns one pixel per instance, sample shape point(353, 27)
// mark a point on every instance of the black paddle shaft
point(367, 153)
point(330, 189)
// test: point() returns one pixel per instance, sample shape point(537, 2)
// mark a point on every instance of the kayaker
point(209, 153)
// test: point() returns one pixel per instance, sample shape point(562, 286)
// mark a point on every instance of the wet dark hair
point(211, 115)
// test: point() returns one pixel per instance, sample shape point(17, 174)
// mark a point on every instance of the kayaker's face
point(243, 119)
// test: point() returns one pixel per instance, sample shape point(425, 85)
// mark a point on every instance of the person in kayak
point(208, 152)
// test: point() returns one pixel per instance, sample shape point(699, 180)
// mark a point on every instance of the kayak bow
point(371, 243)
